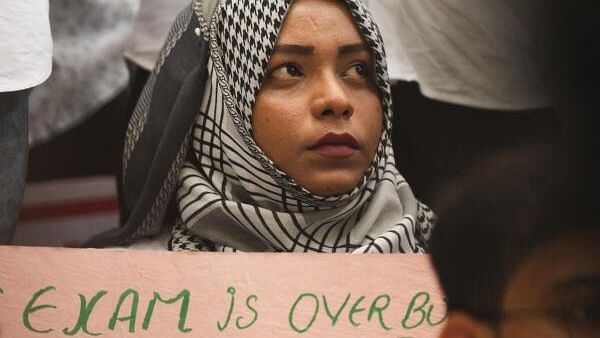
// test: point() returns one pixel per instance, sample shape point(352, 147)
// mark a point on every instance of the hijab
point(190, 145)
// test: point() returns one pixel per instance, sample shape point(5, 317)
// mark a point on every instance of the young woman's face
point(318, 114)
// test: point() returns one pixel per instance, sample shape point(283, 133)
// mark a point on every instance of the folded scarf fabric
point(229, 194)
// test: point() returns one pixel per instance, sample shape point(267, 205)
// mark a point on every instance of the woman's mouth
point(335, 145)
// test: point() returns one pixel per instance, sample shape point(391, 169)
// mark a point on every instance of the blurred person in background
point(104, 53)
point(75, 116)
point(516, 247)
point(25, 62)
point(467, 83)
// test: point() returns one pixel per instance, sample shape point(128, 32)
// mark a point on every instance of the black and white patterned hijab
point(229, 194)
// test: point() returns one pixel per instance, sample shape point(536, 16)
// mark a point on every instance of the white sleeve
point(475, 53)
point(26, 44)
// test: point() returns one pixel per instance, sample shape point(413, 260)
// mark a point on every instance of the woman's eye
point(285, 71)
point(357, 71)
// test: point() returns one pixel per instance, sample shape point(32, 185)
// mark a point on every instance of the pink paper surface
point(274, 295)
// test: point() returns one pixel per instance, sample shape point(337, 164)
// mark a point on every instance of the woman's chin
point(332, 186)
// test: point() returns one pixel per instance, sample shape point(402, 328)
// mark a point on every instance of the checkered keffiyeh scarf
point(229, 195)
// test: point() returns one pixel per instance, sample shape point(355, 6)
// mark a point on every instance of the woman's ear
point(462, 325)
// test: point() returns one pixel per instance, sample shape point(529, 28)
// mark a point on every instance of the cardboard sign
point(49, 292)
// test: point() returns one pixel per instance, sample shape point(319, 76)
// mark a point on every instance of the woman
point(290, 150)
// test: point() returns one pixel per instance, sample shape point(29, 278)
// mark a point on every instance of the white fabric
point(476, 53)
point(151, 26)
point(398, 62)
point(155, 243)
point(25, 44)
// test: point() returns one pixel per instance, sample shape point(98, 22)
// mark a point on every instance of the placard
point(55, 292)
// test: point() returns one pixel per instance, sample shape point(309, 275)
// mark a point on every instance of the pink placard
point(50, 292)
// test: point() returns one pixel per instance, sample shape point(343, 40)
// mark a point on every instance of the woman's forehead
point(312, 20)
point(329, 12)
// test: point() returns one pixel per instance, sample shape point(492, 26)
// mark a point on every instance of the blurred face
point(318, 114)
point(555, 293)
point(560, 283)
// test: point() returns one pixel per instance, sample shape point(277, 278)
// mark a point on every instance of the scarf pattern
point(231, 196)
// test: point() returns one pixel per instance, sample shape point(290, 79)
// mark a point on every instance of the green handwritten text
point(30, 308)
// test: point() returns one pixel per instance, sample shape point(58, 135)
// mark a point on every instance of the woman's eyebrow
point(294, 49)
point(309, 50)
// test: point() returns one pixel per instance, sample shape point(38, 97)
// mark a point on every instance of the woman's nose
point(331, 98)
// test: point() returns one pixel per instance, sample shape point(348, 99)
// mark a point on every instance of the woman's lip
point(335, 145)
point(344, 139)
point(335, 151)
